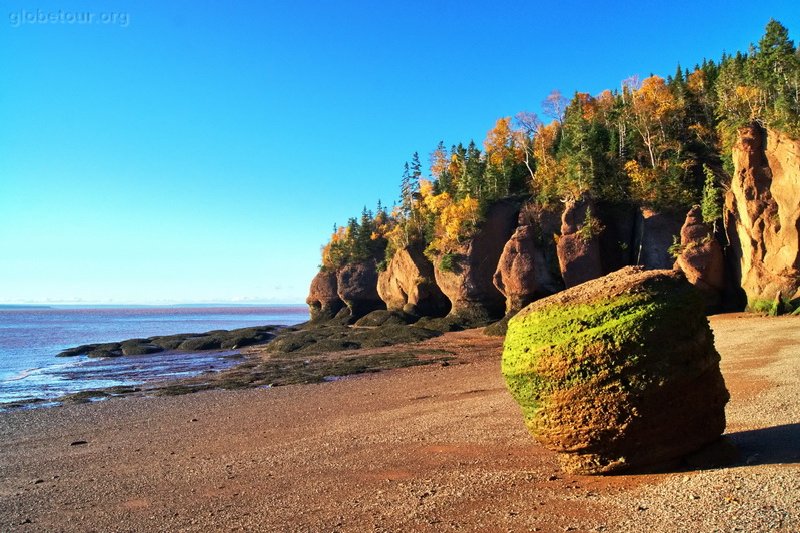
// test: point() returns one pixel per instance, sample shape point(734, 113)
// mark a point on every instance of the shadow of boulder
point(774, 445)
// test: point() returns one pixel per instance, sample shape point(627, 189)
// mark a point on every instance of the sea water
point(31, 338)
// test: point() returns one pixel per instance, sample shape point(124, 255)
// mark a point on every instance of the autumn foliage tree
point(659, 142)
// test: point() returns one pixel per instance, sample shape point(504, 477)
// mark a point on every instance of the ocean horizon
point(31, 337)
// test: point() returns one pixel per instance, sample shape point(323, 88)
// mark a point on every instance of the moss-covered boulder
point(618, 373)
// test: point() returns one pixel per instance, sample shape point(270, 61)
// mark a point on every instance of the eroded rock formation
point(579, 244)
point(701, 258)
point(408, 284)
point(619, 373)
point(357, 287)
point(522, 274)
point(467, 282)
point(762, 214)
point(323, 298)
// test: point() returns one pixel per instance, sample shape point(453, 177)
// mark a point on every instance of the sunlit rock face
point(762, 214)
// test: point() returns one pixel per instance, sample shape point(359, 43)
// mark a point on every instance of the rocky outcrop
point(466, 276)
point(619, 373)
point(579, 244)
point(762, 214)
point(323, 299)
point(522, 274)
point(654, 233)
point(701, 259)
point(182, 342)
point(408, 284)
point(357, 287)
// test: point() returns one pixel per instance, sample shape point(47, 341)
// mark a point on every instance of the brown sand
point(426, 449)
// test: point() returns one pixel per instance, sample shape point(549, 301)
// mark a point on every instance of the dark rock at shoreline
point(333, 337)
point(385, 318)
point(139, 347)
point(184, 342)
point(654, 233)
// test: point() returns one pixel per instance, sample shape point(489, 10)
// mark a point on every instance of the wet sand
point(430, 448)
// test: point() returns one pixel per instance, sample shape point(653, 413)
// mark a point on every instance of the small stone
point(552, 478)
point(37, 481)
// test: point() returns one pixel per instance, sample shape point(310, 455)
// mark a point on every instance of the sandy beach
point(430, 448)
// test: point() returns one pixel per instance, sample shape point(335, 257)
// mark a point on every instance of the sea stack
point(619, 373)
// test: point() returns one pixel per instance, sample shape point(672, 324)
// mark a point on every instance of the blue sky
point(201, 151)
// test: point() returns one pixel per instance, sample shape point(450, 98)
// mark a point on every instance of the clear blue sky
point(202, 151)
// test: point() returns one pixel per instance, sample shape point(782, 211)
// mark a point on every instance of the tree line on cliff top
point(661, 143)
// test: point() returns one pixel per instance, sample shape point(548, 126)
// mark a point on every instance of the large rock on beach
point(619, 373)
point(762, 214)
point(408, 284)
point(323, 299)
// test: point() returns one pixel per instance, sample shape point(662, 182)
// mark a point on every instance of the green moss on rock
point(591, 366)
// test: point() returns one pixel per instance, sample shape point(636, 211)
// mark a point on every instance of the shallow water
point(30, 339)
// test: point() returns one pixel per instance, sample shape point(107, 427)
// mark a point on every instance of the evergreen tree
point(416, 168)
point(406, 191)
point(712, 199)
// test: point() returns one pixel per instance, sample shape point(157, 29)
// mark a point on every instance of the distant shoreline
point(145, 306)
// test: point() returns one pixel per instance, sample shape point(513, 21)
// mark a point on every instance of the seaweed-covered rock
point(618, 373)
point(186, 342)
point(385, 318)
point(139, 347)
point(333, 338)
